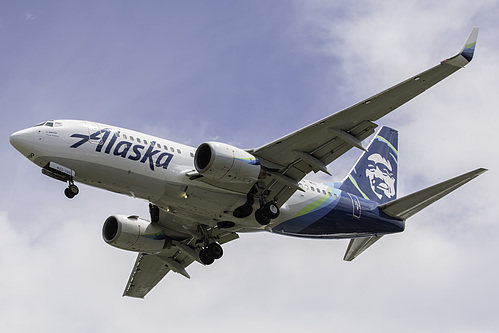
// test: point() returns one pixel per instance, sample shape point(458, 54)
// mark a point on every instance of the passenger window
point(145, 142)
point(192, 155)
point(313, 189)
point(131, 138)
point(178, 151)
point(173, 150)
point(124, 136)
point(138, 140)
point(165, 147)
point(323, 192)
point(159, 146)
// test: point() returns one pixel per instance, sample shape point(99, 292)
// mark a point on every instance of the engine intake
point(225, 163)
point(132, 233)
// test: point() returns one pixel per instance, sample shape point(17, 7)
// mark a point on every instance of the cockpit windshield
point(49, 123)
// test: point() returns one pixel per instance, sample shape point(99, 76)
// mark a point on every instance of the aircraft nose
point(22, 141)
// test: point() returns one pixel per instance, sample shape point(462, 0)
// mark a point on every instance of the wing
point(149, 269)
point(311, 148)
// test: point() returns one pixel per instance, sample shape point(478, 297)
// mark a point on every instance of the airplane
point(201, 198)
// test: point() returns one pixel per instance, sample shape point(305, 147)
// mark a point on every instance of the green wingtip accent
point(469, 46)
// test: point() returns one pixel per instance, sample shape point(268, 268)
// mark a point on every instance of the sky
point(247, 73)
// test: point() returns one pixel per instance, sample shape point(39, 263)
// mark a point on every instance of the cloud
point(29, 17)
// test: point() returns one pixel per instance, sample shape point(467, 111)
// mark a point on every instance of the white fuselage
point(146, 167)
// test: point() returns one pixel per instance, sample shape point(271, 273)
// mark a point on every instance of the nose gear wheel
point(71, 191)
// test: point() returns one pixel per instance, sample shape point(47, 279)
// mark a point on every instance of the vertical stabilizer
point(374, 176)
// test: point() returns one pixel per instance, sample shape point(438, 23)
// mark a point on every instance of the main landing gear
point(211, 253)
point(72, 190)
point(263, 215)
point(266, 213)
point(211, 250)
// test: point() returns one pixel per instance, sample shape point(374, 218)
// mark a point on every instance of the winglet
point(467, 52)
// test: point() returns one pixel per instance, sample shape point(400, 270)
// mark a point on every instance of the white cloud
point(29, 17)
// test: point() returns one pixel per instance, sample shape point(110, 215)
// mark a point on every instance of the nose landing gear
point(64, 174)
point(72, 190)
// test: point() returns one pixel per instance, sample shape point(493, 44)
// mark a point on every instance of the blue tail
point(374, 176)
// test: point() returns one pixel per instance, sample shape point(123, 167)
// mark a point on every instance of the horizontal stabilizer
point(359, 245)
point(407, 206)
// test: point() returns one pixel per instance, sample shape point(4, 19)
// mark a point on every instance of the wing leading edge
point(315, 146)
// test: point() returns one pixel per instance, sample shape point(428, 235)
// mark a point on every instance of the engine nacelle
point(225, 163)
point(133, 234)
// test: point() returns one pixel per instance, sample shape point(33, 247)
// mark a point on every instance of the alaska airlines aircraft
point(201, 198)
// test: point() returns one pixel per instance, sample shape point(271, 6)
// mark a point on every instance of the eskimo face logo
point(379, 171)
point(125, 149)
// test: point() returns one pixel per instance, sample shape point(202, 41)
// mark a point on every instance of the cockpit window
point(49, 123)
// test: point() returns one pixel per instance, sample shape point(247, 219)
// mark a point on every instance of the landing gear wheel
point(261, 217)
point(74, 189)
point(71, 191)
point(214, 250)
point(271, 210)
point(205, 259)
point(68, 193)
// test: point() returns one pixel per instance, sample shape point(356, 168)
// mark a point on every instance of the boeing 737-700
point(200, 198)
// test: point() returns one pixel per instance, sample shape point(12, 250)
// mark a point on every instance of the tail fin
point(374, 176)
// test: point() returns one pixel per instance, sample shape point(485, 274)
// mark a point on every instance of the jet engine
point(225, 163)
point(132, 233)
